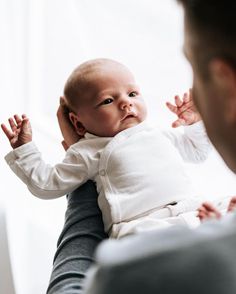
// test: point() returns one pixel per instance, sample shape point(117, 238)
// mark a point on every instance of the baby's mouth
point(129, 115)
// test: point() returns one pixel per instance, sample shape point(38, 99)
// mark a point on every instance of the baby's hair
point(81, 78)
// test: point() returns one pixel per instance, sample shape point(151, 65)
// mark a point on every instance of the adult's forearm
point(82, 232)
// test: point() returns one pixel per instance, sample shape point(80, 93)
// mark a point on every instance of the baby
point(138, 170)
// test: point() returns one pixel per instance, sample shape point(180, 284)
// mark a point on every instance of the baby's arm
point(26, 162)
point(43, 180)
point(193, 145)
point(20, 131)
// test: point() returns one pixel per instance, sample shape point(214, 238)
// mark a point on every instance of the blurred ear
point(223, 76)
point(223, 73)
point(80, 129)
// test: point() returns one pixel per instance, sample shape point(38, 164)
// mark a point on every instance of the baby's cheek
point(143, 110)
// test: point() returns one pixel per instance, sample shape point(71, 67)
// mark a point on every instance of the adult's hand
point(69, 134)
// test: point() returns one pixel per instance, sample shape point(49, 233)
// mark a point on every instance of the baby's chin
point(129, 123)
point(126, 124)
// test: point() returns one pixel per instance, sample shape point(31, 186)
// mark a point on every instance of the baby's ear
point(79, 128)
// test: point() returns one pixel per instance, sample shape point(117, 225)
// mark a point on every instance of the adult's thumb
point(64, 144)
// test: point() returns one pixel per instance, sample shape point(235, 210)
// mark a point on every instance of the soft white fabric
point(139, 173)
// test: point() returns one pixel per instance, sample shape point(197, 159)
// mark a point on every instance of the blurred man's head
point(210, 46)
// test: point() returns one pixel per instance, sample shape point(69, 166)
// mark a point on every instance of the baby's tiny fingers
point(201, 214)
point(178, 101)
point(232, 204)
point(26, 127)
point(179, 122)
point(17, 119)
point(186, 98)
point(171, 107)
point(208, 206)
point(7, 132)
point(12, 124)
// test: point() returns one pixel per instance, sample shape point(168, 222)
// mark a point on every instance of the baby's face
point(112, 102)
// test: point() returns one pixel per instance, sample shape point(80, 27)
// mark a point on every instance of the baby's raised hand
point(185, 110)
point(20, 131)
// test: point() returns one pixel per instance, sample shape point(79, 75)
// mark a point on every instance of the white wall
point(42, 41)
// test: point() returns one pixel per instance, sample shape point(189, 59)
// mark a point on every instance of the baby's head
point(104, 98)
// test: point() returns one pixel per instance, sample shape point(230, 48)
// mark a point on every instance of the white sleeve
point(194, 144)
point(43, 180)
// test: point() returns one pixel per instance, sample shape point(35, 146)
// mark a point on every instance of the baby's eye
point(133, 94)
point(107, 101)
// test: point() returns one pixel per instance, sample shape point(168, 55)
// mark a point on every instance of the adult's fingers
point(63, 105)
point(65, 146)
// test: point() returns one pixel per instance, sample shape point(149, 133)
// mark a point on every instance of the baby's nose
point(126, 103)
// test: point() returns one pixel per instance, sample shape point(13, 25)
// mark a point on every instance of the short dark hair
point(214, 21)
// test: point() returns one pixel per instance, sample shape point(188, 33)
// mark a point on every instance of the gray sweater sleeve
point(83, 231)
point(175, 260)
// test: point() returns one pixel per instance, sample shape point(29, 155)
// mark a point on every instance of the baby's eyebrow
point(133, 86)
